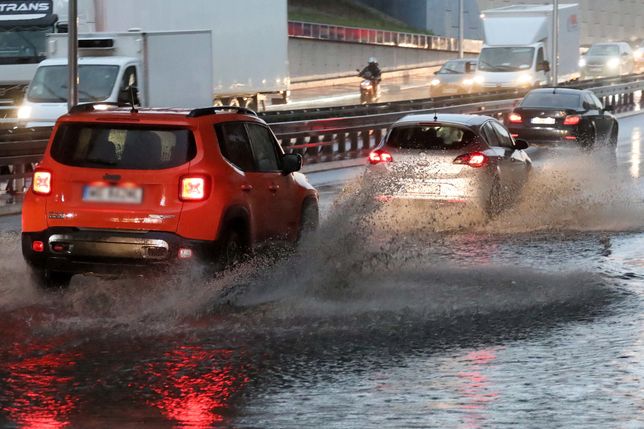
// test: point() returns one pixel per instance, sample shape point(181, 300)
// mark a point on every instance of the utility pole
point(555, 43)
point(461, 31)
point(72, 54)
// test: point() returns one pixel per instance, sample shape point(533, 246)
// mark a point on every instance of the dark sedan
point(570, 116)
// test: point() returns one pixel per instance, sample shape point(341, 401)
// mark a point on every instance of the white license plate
point(543, 121)
point(113, 194)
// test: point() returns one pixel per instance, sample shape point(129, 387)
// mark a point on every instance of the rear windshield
point(123, 147)
point(429, 137)
point(548, 99)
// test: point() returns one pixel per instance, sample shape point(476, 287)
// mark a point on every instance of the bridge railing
point(338, 33)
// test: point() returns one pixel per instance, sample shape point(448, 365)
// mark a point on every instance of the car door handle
point(246, 188)
point(273, 188)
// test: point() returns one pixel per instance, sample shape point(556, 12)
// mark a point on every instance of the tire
point(47, 279)
point(231, 250)
point(309, 220)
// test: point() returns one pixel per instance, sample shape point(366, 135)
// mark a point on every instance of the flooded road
point(533, 319)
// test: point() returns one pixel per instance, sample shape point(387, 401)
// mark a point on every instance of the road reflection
point(38, 389)
point(193, 386)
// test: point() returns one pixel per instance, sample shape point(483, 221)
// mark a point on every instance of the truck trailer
point(518, 49)
point(249, 41)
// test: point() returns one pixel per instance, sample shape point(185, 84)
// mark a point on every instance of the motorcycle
point(369, 89)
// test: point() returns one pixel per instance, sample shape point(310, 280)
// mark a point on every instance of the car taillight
point(42, 182)
point(194, 188)
point(572, 120)
point(378, 156)
point(515, 118)
point(474, 159)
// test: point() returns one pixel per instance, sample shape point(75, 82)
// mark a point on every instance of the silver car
point(455, 77)
point(607, 59)
point(449, 158)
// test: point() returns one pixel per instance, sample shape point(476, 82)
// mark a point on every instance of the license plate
point(543, 121)
point(113, 194)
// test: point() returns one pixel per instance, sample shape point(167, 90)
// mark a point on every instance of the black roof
point(557, 90)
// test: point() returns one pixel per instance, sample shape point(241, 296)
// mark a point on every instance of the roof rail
point(91, 107)
point(195, 113)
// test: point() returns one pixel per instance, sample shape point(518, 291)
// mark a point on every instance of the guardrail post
point(342, 144)
point(354, 136)
point(327, 149)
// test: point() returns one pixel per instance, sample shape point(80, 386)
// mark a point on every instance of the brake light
point(474, 159)
point(378, 156)
point(38, 246)
point(515, 118)
point(194, 188)
point(572, 120)
point(42, 182)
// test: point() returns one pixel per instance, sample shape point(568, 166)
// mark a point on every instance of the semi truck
point(24, 26)
point(142, 69)
point(518, 49)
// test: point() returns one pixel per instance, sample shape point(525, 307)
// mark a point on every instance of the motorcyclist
point(373, 73)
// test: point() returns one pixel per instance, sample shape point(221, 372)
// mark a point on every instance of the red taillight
point(378, 156)
point(474, 159)
point(38, 246)
point(42, 182)
point(515, 118)
point(194, 188)
point(572, 120)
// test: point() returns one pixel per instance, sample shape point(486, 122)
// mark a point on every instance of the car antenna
point(435, 116)
point(132, 92)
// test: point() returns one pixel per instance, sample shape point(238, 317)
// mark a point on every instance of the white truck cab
point(160, 65)
point(518, 50)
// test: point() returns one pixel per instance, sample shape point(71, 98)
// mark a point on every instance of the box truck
point(24, 26)
point(161, 68)
point(518, 49)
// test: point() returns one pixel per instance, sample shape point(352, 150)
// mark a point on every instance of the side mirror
point(521, 144)
point(545, 66)
point(291, 163)
point(128, 96)
point(586, 105)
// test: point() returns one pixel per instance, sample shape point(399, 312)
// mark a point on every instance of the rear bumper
point(548, 136)
point(108, 252)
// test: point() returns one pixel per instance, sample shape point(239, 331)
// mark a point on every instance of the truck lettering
point(25, 7)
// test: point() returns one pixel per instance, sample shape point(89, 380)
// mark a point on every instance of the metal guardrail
point(338, 33)
point(327, 134)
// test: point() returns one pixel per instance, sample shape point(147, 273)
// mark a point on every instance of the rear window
point(123, 147)
point(429, 137)
point(548, 99)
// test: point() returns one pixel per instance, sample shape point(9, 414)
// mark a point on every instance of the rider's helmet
point(373, 60)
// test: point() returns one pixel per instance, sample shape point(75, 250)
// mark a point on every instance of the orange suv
point(120, 187)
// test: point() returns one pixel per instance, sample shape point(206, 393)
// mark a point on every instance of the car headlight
point(478, 79)
point(638, 54)
point(24, 112)
point(613, 63)
point(524, 78)
point(582, 62)
point(468, 82)
point(435, 82)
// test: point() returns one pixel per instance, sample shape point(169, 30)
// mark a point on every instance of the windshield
point(604, 50)
point(548, 99)
point(429, 137)
point(50, 83)
point(452, 67)
point(27, 46)
point(123, 147)
point(506, 59)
